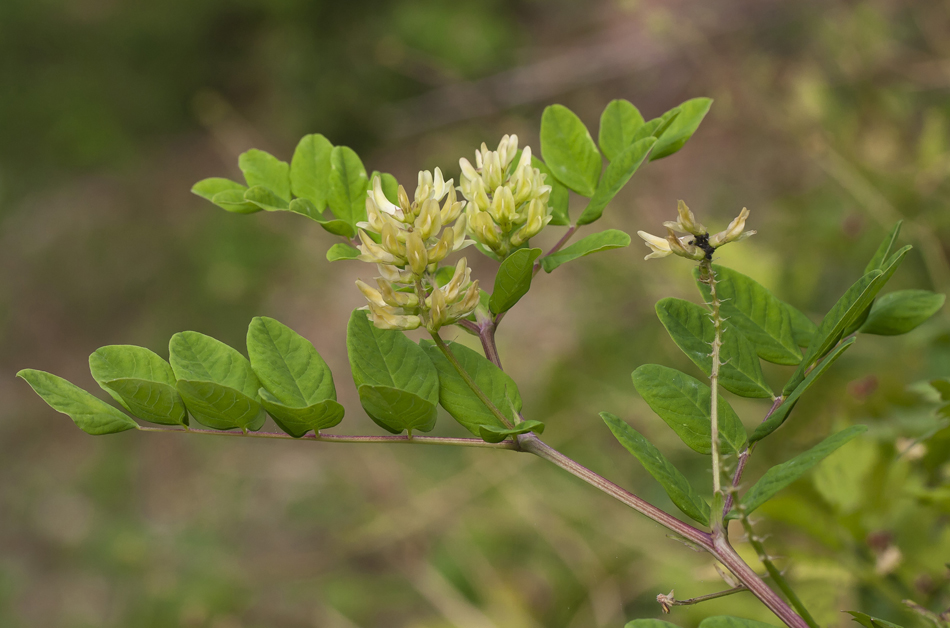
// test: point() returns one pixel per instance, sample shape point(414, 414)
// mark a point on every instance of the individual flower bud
point(429, 222)
point(372, 252)
point(437, 310)
point(416, 254)
point(483, 228)
point(468, 171)
point(395, 275)
point(683, 249)
point(687, 222)
point(502, 208)
point(659, 246)
point(384, 318)
point(393, 298)
point(459, 229)
point(443, 247)
point(404, 200)
point(734, 232)
point(468, 303)
point(372, 295)
point(536, 220)
point(452, 207)
point(460, 278)
point(390, 241)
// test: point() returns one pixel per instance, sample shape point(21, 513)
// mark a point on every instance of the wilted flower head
point(413, 238)
point(698, 244)
point(506, 205)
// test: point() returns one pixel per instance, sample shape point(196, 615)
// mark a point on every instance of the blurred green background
point(830, 123)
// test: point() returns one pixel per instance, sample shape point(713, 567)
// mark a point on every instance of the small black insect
point(702, 242)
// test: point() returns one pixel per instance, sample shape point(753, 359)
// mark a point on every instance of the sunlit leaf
point(594, 243)
point(691, 114)
point(92, 415)
point(618, 124)
point(615, 177)
point(141, 381)
point(348, 185)
point(263, 169)
point(569, 151)
point(310, 170)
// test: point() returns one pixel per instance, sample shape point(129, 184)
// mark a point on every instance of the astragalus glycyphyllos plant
point(503, 200)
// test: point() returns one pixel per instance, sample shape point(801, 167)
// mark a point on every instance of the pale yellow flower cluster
point(414, 237)
point(698, 244)
point(506, 206)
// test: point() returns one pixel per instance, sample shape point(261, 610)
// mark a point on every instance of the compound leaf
point(615, 177)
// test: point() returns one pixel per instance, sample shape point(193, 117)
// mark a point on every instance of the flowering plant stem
point(708, 276)
point(716, 544)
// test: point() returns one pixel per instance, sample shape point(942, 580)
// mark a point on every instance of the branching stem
point(400, 439)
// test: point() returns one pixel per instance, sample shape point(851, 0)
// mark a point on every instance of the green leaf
point(233, 201)
point(900, 312)
point(496, 434)
point(460, 401)
point(691, 113)
point(569, 150)
point(594, 243)
point(618, 124)
point(397, 410)
point(342, 251)
point(513, 280)
point(216, 382)
point(674, 483)
point(298, 421)
point(141, 381)
point(383, 360)
point(780, 476)
point(684, 403)
point(264, 169)
point(337, 227)
point(92, 415)
point(348, 185)
point(287, 364)
point(884, 249)
point(221, 407)
point(691, 328)
point(559, 200)
point(208, 188)
point(649, 623)
point(781, 413)
point(803, 329)
point(728, 621)
point(615, 177)
point(310, 170)
point(871, 622)
point(754, 311)
point(265, 199)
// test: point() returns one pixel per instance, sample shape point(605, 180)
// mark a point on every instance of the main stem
point(709, 278)
point(716, 544)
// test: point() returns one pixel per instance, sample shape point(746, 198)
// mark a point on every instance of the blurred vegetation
point(830, 123)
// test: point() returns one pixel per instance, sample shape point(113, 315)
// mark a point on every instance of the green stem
point(343, 438)
point(666, 601)
point(774, 573)
point(468, 380)
point(709, 278)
